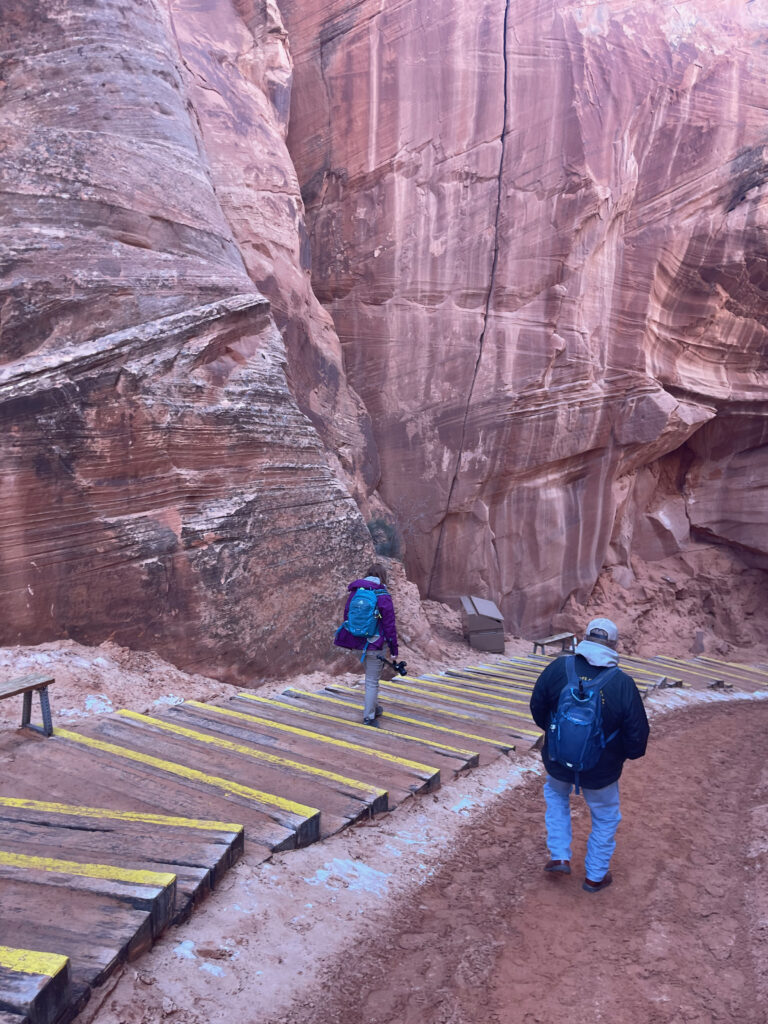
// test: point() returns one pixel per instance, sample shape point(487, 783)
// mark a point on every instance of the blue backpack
point(575, 737)
point(363, 615)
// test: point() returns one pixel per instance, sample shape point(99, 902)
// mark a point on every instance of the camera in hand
point(398, 666)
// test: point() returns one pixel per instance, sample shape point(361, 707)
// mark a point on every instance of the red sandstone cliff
point(177, 451)
point(539, 230)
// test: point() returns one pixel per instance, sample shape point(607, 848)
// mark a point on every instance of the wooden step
point(300, 823)
point(485, 713)
point(96, 931)
point(343, 720)
point(351, 730)
point(360, 757)
point(349, 704)
point(151, 891)
point(197, 852)
point(471, 721)
point(339, 799)
point(56, 769)
point(34, 986)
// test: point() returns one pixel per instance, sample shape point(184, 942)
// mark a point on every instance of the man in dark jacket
point(376, 580)
point(623, 714)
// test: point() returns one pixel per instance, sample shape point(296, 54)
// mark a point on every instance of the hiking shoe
point(379, 711)
point(589, 886)
point(563, 866)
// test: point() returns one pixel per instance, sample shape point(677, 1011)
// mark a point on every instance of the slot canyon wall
point(540, 228)
point(537, 234)
point(179, 448)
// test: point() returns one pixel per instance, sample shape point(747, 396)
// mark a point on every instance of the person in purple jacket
point(371, 646)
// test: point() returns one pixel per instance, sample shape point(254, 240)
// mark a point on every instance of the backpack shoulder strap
point(606, 676)
point(570, 670)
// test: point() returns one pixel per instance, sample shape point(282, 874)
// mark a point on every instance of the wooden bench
point(567, 642)
point(27, 685)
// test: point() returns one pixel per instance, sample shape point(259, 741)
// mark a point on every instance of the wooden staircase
point(113, 831)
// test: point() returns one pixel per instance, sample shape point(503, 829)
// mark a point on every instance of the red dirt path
point(681, 936)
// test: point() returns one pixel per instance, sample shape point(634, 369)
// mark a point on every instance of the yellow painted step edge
point(492, 685)
point(259, 755)
point(161, 879)
point(402, 688)
point(141, 817)
point(381, 731)
point(438, 685)
point(268, 799)
point(337, 687)
point(306, 734)
point(30, 961)
point(415, 721)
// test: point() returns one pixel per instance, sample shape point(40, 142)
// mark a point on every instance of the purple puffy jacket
point(387, 624)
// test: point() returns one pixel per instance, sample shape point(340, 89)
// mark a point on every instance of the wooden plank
point(229, 721)
point(198, 864)
point(304, 821)
point(643, 676)
point(96, 931)
point(290, 710)
point(396, 773)
point(743, 676)
point(758, 673)
point(465, 682)
point(408, 707)
point(57, 770)
point(522, 686)
point(152, 891)
point(35, 997)
point(33, 985)
point(217, 845)
point(24, 684)
point(397, 784)
point(339, 799)
point(514, 717)
point(365, 746)
point(78, 814)
point(524, 677)
point(194, 872)
point(371, 795)
point(432, 734)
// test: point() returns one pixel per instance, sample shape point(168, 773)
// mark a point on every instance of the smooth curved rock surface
point(540, 229)
point(164, 487)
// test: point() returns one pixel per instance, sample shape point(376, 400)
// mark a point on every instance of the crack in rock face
point(628, 292)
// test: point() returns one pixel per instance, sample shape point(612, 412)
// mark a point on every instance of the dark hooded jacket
point(387, 625)
point(622, 709)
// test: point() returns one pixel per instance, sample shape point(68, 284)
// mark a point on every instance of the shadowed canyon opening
point(491, 278)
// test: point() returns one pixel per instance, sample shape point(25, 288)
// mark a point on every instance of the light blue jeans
point(373, 669)
point(604, 809)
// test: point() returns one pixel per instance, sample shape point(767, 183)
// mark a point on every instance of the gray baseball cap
point(602, 629)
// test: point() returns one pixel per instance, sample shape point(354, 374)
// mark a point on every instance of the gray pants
point(373, 669)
